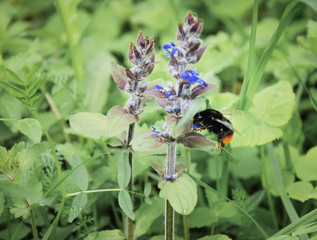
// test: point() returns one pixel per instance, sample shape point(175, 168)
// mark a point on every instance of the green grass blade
point(68, 12)
point(92, 20)
point(280, 186)
point(311, 3)
point(207, 187)
point(257, 74)
point(311, 97)
point(304, 220)
point(291, 212)
point(251, 57)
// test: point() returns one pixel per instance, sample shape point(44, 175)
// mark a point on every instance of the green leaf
point(292, 131)
point(88, 124)
point(11, 107)
point(80, 175)
point(13, 90)
point(29, 155)
point(31, 128)
point(306, 167)
point(280, 185)
point(246, 162)
point(125, 203)
point(182, 194)
point(118, 120)
point(31, 74)
point(15, 77)
point(193, 108)
point(275, 104)
point(115, 234)
point(124, 171)
point(97, 81)
point(2, 202)
point(258, 71)
point(31, 90)
point(210, 189)
point(301, 191)
point(146, 215)
point(284, 237)
point(78, 204)
point(311, 3)
point(256, 136)
point(145, 142)
point(202, 217)
point(216, 237)
point(147, 189)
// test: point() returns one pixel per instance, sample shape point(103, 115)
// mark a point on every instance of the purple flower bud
point(142, 86)
point(167, 177)
point(175, 175)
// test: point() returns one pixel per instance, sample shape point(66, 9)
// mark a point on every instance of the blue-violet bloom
point(192, 77)
point(156, 132)
point(171, 46)
point(165, 92)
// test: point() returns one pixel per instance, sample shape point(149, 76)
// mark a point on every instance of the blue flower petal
point(184, 75)
point(159, 87)
point(174, 50)
point(166, 46)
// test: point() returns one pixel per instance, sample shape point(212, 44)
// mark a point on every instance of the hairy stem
point(185, 217)
point(169, 221)
point(169, 212)
point(129, 222)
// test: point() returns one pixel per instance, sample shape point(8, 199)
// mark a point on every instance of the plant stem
point(185, 217)
point(67, 11)
point(34, 230)
point(268, 194)
point(57, 114)
point(169, 221)
point(169, 212)
point(94, 191)
point(60, 176)
point(186, 229)
point(171, 158)
point(129, 222)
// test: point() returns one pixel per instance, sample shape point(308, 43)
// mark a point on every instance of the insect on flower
point(215, 122)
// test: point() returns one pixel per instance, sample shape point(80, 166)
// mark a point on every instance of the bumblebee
point(215, 122)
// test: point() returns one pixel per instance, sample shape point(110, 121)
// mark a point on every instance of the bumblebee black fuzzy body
point(215, 122)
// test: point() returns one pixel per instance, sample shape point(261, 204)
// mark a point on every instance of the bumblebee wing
point(231, 112)
point(225, 123)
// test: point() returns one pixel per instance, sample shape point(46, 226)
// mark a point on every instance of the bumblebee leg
point(222, 147)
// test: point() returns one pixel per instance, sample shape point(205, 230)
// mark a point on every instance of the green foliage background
point(55, 62)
